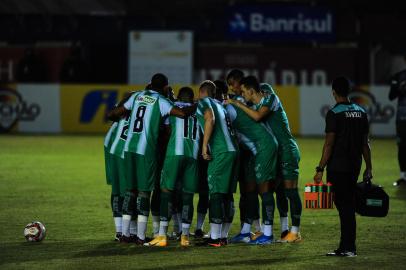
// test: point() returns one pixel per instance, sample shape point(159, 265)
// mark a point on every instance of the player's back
point(255, 136)
point(185, 135)
point(147, 107)
point(278, 122)
point(223, 138)
point(120, 137)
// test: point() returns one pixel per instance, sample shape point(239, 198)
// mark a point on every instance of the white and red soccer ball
point(34, 231)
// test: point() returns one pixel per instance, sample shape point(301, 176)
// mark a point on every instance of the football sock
point(155, 202)
point(176, 224)
point(155, 225)
point(267, 230)
point(251, 207)
point(403, 175)
point(185, 228)
point(229, 209)
point(203, 203)
point(115, 205)
point(142, 226)
point(179, 218)
point(126, 225)
point(282, 201)
point(295, 205)
point(166, 206)
point(133, 226)
point(284, 224)
point(246, 228)
point(129, 202)
point(295, 229)
point(163, 228)
point(187, 208)
point(256, 205)
point(225, 228)
point(215, 231)
point(216, 205)
point(243, 208)
point(257, 225)
point(143, 203)
point(118, 224)
point(200, 220)
point(268, 208)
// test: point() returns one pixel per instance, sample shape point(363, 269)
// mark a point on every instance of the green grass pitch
point(60, 181)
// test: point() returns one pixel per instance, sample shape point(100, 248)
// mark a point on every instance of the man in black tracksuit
point(398, 90)
point(345, 144)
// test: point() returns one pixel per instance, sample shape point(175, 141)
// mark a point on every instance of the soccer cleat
point(256, 235)
point(291, 237)
point(241, 238)
point(160, 241)
point(284, 233)
point(184, 241)
point(118, 236)
point(262, 240)
point(224, 241)
point(174, 236)
point(128, 239)
point(400, 182)
point(342, 253)
point(210, 242)
point(199, 234)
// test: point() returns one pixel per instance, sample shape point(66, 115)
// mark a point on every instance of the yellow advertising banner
point(84, 107)
point(290, 98)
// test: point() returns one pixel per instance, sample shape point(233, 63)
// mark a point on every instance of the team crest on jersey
point(146, 99)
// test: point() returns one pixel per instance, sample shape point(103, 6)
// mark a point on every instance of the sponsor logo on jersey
point(14, 108)
point(146, 99)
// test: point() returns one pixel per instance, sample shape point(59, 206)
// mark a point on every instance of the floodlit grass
point(60, 181)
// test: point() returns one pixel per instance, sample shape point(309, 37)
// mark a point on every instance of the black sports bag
point(371, 200)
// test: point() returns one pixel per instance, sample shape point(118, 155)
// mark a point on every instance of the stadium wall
point(70, 108)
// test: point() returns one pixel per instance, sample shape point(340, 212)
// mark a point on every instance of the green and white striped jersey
point(119, 138)
point(108, 139)
point(223, 137)
point(278, 122)
point(255, 136)
point(185, 135)
point(147, 108)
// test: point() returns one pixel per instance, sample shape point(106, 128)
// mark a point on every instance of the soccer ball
point(34, 231)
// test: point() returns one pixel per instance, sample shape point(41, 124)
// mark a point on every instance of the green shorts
point(247, 167)
point(289, 164)
point(115, 171)
point(222, 173)
point(141, 172)
point(265, 165)
point(180, 173)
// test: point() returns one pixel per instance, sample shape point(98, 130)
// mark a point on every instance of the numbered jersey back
point(147, 109)
point(185, 135)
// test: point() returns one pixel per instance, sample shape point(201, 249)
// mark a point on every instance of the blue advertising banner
point(281, 23)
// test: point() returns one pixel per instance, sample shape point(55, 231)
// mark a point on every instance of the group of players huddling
point(174, 149)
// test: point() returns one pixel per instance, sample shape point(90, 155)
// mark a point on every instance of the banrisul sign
point(292, 23)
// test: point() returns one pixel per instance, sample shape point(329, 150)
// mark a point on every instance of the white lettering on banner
point(283, 77)
point(7, 69)
point(259, 23)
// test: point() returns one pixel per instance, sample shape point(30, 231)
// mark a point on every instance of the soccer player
point(269, 110)
point(264, 147)
point(115, 197)
point(180, 170)
point(147, 109)
point(220, 148)
point(115, 169)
